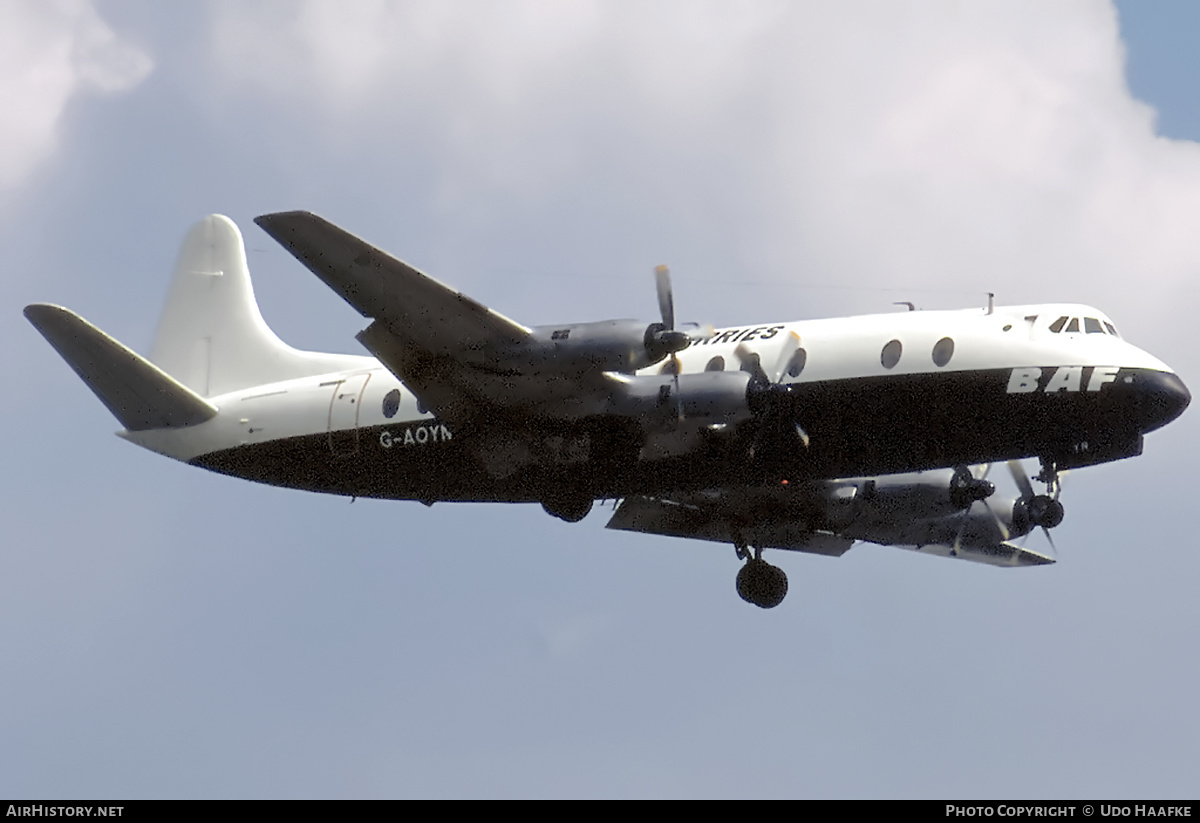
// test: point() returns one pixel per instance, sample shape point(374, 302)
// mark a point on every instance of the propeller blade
point(791, 344)
point(1021, 479)
point(666, 301)
point(962, 527)
point(769, 398)
point(1050, 540)
point(749, 361)
point(1005, 534)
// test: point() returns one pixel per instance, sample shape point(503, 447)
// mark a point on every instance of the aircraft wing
point(440, 342)
point(807, 519)
point(691, 517)
point(413, 304)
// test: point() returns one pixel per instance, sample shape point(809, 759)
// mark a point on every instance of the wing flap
point(138, 393)
point(435, 379)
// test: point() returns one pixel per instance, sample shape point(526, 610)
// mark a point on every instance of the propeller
point(974, 488)
point(1030, 509)
point(1044, 510)
point(663, 339)
point(768, 398)
point(967, 487)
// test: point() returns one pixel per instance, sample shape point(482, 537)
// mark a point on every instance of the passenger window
point(391, 403)
point(1058, 324)
point(1092, 326)
point(716, 364)
point(1073, 325)
point(890, 355)
point(943, 350)
point(796, 364)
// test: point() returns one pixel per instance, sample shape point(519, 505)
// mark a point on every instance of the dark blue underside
point(856, 427)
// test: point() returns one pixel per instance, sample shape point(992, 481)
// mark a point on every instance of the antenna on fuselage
point(991, 302)
point(911, 307)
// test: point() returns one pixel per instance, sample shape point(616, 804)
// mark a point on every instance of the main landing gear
point(568, 504)
point(759, 582)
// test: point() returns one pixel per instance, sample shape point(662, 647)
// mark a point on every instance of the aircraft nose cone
point(1161, 398)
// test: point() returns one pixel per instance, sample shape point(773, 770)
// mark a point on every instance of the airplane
point(803, 436)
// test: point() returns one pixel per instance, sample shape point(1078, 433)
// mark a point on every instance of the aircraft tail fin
point(211, 336)
point(139, 394)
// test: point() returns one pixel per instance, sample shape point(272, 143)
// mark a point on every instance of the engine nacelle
point(708, 398)
point(610, 345)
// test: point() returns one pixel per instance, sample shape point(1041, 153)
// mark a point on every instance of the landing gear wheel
point(1045, 511)
point(762, 584)
point(569, 507)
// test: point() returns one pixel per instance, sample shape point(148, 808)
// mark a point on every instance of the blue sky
point(165, 632)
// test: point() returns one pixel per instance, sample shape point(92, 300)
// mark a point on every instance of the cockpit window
point(1092, 325)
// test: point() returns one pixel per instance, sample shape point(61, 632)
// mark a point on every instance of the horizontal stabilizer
point(139, 394)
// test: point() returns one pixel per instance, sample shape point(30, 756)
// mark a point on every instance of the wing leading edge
point(463, 361)
point(412, 304)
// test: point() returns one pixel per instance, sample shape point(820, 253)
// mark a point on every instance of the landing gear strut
point(759, 582)
point(1044, 509)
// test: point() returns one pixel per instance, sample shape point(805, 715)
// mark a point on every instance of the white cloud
point(50, 52)
point(927, 145)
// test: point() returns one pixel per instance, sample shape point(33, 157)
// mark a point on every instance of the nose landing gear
point(1041, 510)
point(1044, 509)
